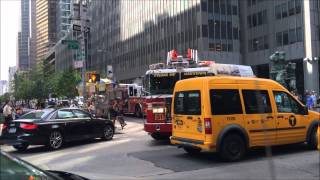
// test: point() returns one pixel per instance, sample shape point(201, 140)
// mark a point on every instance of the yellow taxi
point(229, 115)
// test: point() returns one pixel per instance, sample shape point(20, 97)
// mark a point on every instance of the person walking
point(8, 112)
point(118, 113)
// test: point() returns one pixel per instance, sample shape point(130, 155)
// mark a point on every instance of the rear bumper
point(185, 142)
point(20, 139)
point(158, 127)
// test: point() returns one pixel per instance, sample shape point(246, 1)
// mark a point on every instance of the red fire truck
point(130, 97)
point(161, 78)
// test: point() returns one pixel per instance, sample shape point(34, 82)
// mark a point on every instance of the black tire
point(158, 136)
point(138, 112)
point(233, 148)
point(21, 147)
point(192, 151)
point(108, 132)
point(313, 139)
point(55, 140)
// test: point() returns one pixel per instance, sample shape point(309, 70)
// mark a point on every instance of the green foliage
point(39, 83)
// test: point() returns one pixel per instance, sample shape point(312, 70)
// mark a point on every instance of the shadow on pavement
point(44, 149)
point(178, 160)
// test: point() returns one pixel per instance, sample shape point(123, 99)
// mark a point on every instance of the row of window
point(257, 19)
point(289, 36)
point(253, 2)
point(219, 7)
point(259, 43)
point(228, 101)
point(287, 9)
point(220, 30)
point(221, 47)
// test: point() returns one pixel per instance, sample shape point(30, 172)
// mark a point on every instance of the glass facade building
point(130, 35)
point(46, 26)
point(23, 39)
point(64, 8)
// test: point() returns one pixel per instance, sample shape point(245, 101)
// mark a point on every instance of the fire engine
point(161, 78)
point(130, 97)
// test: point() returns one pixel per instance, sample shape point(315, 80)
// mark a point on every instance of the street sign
point(76, 27)
point(78, 64)
point(109, 72)
point(72, 44)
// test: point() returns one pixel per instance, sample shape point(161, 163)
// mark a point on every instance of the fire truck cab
point(160, 80)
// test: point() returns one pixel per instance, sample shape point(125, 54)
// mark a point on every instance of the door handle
point(189, 117)
point(269, 117)
point(280, 117)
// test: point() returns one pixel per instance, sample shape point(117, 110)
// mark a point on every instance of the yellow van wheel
point(192, 151)
point(313, 143)
point(232, 148)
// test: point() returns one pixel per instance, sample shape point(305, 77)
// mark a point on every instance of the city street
point(132, 154)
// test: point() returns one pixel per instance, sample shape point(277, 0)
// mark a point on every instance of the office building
point(12, 72)
point(130, 35)
point(291, 26)
point(63, 17)
point(23, 37)
point(46, 27)
point(3, 87)
point(33, 35)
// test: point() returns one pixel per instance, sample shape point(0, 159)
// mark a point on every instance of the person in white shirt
point(8, 111)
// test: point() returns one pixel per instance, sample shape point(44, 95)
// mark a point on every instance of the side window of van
point(256, 101)
point(285, 103)
point(225, 101)
point(187, 103)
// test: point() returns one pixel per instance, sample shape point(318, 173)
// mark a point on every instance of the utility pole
point(82, 46)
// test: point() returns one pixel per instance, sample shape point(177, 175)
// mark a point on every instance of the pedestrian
point(8, 111)
point(118, 113)
point(309, 100)
point(91, 107)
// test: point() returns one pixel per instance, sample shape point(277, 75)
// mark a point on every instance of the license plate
point(159, 117)
point(12, 130)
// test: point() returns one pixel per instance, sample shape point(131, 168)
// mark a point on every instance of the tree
point(67, 84)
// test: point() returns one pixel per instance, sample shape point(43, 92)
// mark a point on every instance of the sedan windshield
point(38, 114)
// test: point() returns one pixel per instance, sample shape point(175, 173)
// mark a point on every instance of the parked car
point(54, 128)
point(12, 168)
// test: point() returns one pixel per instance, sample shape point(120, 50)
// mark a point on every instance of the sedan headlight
point(158, 110)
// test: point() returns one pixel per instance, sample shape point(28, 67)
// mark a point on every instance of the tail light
point(28, 126)
point(207, 125)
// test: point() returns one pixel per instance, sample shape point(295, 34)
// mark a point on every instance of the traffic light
point(94, 77)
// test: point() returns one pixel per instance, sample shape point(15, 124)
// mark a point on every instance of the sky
point(10, 26)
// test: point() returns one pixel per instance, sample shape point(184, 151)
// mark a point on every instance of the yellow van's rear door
point(187, 122)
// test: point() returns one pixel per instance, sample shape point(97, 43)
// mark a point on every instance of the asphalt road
point(132, 154)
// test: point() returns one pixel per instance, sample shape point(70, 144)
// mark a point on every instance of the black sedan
point(54, 127)
point(12, 168)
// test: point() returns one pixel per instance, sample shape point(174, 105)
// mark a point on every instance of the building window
point(290, 36)
point(204, 30)
point(257, 19)
point(258, 44)
point(204, 5)
point(287, 9)
point(284, 9)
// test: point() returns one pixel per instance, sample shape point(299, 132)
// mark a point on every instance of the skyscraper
point(33, 35)
point(63, 17)
point(23, 58)
point(46, 26)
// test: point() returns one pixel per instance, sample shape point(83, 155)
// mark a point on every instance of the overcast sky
point(10, 26)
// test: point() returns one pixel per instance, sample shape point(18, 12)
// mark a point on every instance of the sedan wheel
point(108, 133)
point(55, 140)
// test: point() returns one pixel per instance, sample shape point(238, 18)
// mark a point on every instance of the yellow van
point(229, 115)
